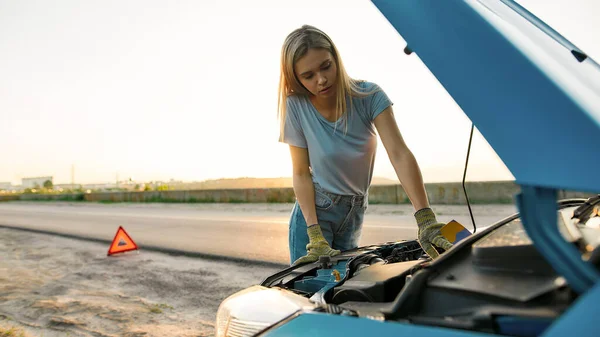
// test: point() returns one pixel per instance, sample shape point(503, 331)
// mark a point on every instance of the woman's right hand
point(316, 247)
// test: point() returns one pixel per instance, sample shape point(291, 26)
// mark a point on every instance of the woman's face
point(317, 72)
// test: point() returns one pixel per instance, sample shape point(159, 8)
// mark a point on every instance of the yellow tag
point(454, 231)
point(337, 275)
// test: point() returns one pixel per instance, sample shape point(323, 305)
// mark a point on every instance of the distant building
point(36, 182)
point(5, 186)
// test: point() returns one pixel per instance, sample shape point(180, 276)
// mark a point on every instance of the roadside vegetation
point(12, 332)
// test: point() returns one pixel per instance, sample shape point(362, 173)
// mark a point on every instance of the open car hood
point(522, 84)
point(532, 94)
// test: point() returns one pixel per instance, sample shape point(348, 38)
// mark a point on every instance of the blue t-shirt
point(341, 159)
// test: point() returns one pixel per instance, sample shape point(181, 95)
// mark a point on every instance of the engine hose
point(332, 309)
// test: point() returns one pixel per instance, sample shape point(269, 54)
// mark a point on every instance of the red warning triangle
point(121, 243)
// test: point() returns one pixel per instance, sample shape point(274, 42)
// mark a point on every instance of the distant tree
point(137, 187)
point(147, 187)
point(48, 184)
point(162, 188)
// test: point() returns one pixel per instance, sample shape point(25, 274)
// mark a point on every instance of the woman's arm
point(404, 162)
point(305, 194)
point(408, 172)
point(303, 185)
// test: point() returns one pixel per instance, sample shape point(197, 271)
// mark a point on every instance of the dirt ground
point(54, 286)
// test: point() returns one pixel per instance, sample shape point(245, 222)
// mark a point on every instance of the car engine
point(494, 281)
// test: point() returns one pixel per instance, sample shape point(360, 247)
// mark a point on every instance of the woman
point(329, 121)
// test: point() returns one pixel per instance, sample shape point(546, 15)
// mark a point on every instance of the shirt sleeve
point(377, 102)
point(292, 132)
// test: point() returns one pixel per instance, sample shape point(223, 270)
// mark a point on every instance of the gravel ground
point(54, 286)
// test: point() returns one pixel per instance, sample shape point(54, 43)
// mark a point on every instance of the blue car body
point(532, 95)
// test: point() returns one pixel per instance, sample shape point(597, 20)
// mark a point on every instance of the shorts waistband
point(356, 200)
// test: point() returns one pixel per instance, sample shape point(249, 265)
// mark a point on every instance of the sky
point(187, 90)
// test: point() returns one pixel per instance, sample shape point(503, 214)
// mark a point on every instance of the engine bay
point(493, 281)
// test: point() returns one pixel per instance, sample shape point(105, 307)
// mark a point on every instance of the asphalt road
point(241, 231)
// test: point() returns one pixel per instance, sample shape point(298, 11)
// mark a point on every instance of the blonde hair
point(295, 46)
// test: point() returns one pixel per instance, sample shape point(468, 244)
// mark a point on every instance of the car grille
point(239, 328)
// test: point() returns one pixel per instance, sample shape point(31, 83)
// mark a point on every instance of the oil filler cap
point(325, 261)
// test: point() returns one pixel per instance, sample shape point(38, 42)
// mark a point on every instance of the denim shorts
point(340, 217)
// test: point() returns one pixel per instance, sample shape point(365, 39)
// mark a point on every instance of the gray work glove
point(429, 233)
point(316, 247)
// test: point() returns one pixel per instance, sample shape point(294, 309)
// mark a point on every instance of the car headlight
point(251, 310)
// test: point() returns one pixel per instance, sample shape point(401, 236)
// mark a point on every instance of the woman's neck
point(325, 104)
point(325, 107)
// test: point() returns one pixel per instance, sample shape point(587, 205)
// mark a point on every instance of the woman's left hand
point(430, 234)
